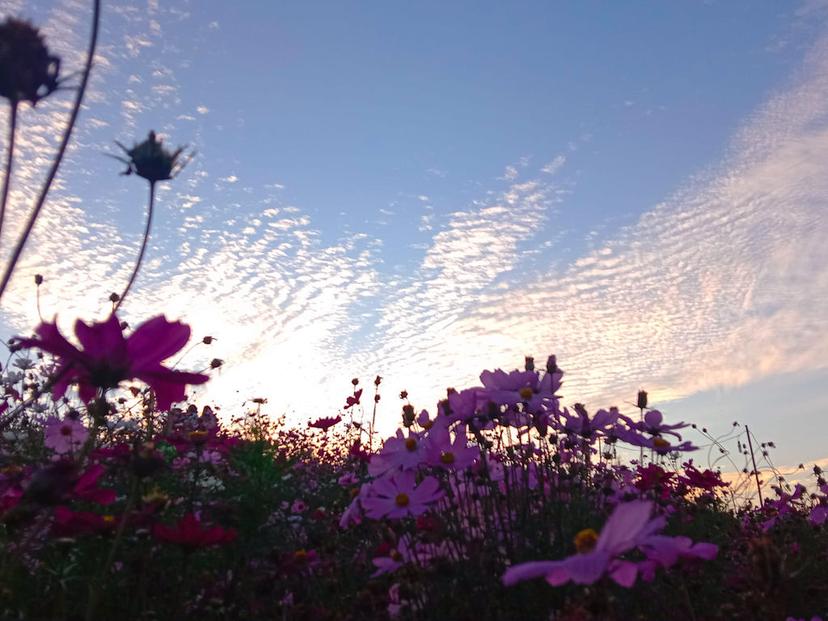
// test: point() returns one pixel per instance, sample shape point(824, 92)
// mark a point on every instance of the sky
point(426, 190)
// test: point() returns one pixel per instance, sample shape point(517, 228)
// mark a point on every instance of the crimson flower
point(325, 423)
point(352, 401)
point(189, 532)
point(107, 358)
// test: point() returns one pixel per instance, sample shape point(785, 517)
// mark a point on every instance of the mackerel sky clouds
point(423, 190)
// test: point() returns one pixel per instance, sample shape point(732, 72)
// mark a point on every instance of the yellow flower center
point(585, 541)
point(411, 444)
point(155, 495)
point(526, 393)
point(198, 436)
point(660, 443)
point(109, 520)
point(300, 555)
point(447, 458)
point(402, 500)
point(395, 555)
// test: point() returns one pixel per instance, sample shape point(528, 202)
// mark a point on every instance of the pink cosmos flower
point(107, 358)
point(398, 452)
point(405, 552)
point(441, 451)
point(597, 555)
point(654, 424)
point(588, 428)
point(667, 551)
point(348, 479)
point(399, 496)
point(64, 436)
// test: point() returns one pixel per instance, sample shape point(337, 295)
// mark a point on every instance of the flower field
point(498, 504)
point(119, 499)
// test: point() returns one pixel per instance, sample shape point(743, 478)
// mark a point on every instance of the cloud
point(554, 165)
point(723, 283)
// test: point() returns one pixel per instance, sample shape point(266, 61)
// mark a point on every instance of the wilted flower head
point(150, 160)
point(27, 71)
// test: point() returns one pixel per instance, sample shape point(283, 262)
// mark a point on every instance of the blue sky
point(424, 190)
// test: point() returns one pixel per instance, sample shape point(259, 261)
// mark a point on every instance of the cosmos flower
point(64, 436)
point(107, 358)
point(597, 555)
point(189, 532)
point(441, 451)
point(398, 452)
point(399, 496)
point(354, 400)
point(579, 423)
point(325, 423)
point(654, 424)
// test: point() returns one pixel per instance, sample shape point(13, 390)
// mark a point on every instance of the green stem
point(150, 209)
point(96, 587)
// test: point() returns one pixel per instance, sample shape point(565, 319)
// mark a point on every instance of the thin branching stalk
point(64, 143)
point(150, 209)
point(9, 163)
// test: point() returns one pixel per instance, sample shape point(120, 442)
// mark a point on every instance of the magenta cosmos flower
point(107, 358)
point(597, 555)
point(399, 496)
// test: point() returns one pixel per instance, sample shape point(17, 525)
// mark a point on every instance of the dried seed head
point(27, 71)
point(151, 161)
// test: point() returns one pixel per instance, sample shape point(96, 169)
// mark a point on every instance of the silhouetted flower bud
point(207, 340)
point(377, 380)
point(215, 363)
point(38, 279)
point(408, 415)
point(552, 364)
point(150, 160)
point(642, 399)
point(114, 297)
point(529, 364)
point(27, 71)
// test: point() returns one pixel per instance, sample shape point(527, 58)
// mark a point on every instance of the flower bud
point(27, 71)
point(151, 161)
point(641, 403)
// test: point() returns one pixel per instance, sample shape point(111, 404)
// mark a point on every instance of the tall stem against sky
point(9, 163)
point(150, 209)
point(67, 134)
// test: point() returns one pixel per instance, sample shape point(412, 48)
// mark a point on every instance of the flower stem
point(67, 134)
point(9, 162)
point(150, 209)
